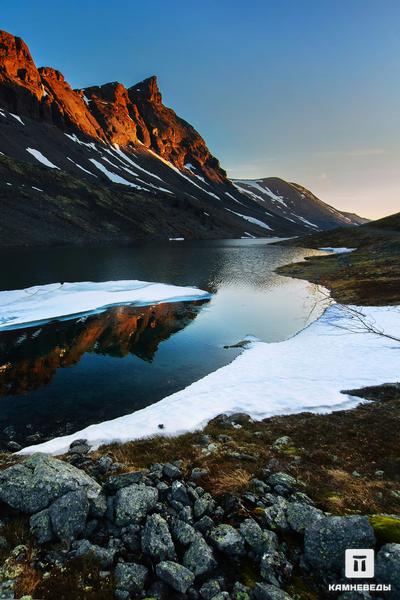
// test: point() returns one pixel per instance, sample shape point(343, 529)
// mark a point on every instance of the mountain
point(113, 164)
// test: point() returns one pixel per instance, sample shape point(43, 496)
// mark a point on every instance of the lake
point(60, 377)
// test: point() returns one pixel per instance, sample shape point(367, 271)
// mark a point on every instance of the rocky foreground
point(81, 528)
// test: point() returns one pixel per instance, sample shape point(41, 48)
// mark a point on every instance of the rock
point(327, 539)
point(68, 515)
point(13, 446)
point(259, 541)
point(32, 485)
point(132, 503)
point(171, 471)
point(240, 592)
point(203, 505)
point(117, 482)
point(204, 524)
point(198, 473)
point(264, 591)
point(175, 575)
point(104, 556)
point(387, 569)
point(199, 557)
point(209, 589)
point(275, 516)
point(179, 493)
point(227, 540)
point(156, 539)
point(182, 532)
point(40, 526)
point(130, 577)
point(282, 442)
point(301, 516)
point(283, 480)
point(79, 447)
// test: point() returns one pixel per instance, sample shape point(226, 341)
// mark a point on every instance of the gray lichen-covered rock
point(68, 515)
point(156, 539)
point(32, 485)
point(132, 503)
point(259, 541)
point(130, 577)
point(104, 556)
point(175, 575)
point(199, 557)
point(117, 482)
point(282, 479)
point(275, 516)
point(40, 526)
point(179, 493)
point(227, 540)
point(300, 516)
point(327, 539)
point(182, 532)
point(387, 569)
point(171, 471)
point(209, 589)
point(264, 591)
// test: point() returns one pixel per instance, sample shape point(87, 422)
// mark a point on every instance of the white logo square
point(359, 563)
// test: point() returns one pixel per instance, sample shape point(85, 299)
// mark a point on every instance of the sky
point(306, 90)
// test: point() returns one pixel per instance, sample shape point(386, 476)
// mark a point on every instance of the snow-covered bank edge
point(60, 301)
point(304, 373)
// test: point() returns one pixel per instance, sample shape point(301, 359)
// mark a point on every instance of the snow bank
point(304, 373)
point(43, 303)
point(337, 250)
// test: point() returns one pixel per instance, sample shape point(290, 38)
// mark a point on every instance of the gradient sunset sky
point(306, 90)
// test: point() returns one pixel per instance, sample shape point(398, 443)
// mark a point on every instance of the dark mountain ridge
point(113, 164)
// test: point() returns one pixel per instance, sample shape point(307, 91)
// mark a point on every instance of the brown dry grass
point(229, 480)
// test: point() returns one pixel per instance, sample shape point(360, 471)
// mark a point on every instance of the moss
point(258, 511)
point(290, 451)
point(300, 589)
point(249, 575)
point(386, 528)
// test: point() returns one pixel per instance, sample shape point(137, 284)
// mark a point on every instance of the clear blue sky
point(308, 90)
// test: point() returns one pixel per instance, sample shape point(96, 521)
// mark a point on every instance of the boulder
point(130, 577)
point(387, 569)
point(132, 503)
point(199, 557)
point(34, 484)
point(182, 532)
point(259, 541)
point(264, 591)
point(282, 480)
point(156, 539)
point(327, 539)
point(40, 526)
point(227, 540)
point(117, 482)
point(68, 515)
point(300, 516)
point(104, 556)
point(171, 471)
point(175, 575)
point(179, 493)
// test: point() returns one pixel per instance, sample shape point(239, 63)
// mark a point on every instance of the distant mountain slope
point(110, 164)
point(295, 203)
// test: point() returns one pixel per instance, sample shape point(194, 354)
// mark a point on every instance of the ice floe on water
point(343, 350)
point(44, 303)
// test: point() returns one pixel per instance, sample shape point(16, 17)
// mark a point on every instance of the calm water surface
point(60, 377)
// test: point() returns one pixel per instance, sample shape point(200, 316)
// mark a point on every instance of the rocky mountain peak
point(147, 90)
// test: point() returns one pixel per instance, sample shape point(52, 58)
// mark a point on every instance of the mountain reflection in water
point(29, 358)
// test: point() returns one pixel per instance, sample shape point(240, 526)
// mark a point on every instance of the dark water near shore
point(60, 377)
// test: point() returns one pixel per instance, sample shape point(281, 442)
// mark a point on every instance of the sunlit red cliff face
point(108, 112)
point(31, 357)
